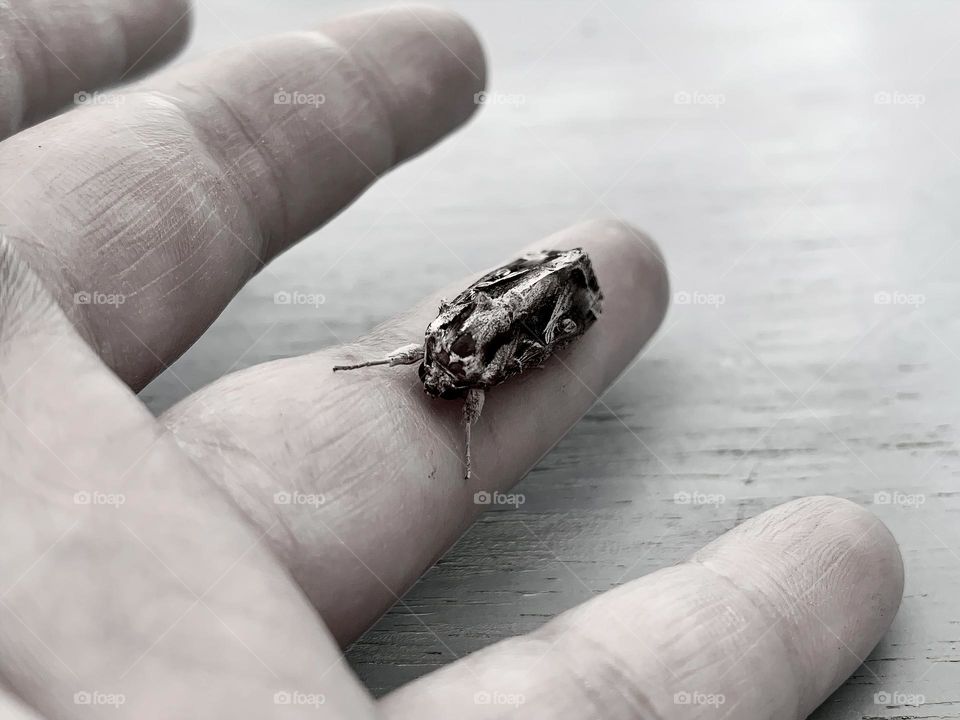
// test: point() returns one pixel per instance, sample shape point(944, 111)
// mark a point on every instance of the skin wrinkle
point(23, 301)
point(206, 183)
point(377, 77)
point(226, 162)
point(260, 513)
point(200, 186)
point(194, 246)
point(351, 451)
point(184, 248)
point(838, 550)
point(353, 458)
point(348, 59)
point(169, 168)
point(372, 86)
point(690, 663)
point(298, 548)
point(143, 232)
point(252, 506)
point(267, 166)
point(97, 177)
point(614, 678)
point(73, 284)
point(196, 271)
point(224, 174)
point(790, 651)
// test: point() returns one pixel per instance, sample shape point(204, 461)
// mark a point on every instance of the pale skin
point(202, 597)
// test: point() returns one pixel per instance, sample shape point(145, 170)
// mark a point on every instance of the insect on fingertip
point(507, 322)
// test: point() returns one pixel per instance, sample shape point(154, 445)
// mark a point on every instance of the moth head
point(461, 347)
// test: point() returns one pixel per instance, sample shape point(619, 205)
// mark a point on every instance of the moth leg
point(563, 304)
point(471, 413)
point(406, 355)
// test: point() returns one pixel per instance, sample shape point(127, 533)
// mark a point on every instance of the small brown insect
point(510, 320)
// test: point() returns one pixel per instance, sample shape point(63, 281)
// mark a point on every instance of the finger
point(303, 122)
point(375, 466)
point(54, 49)
point(129, 587)
point(765, 622)
point(171, 199)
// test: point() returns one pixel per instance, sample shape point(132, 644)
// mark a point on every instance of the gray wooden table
point(799, 164)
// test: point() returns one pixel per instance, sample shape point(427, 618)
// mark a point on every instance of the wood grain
point(805, 199)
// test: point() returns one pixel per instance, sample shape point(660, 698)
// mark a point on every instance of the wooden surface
point(787, 189)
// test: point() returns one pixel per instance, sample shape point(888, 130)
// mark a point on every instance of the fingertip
point(852, 521)
point(838, 536)
point(426, 64)
point(837, 569)
point(635, 263)
point(633, 279)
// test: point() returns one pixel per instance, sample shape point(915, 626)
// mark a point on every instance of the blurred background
point(799, 165)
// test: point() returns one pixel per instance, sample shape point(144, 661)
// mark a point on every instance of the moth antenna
point(472, 407)
point(366, 363)
point(406, 355)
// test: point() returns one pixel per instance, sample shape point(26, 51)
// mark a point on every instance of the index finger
point(378, 463)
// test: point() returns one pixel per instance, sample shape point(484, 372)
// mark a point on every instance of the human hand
point(156, 560)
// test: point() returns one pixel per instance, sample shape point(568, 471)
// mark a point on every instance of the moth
point(507, 322)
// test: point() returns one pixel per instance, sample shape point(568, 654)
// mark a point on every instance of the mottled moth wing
point(510, 320)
